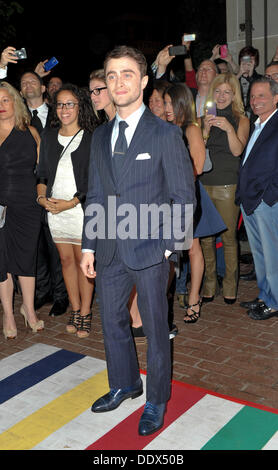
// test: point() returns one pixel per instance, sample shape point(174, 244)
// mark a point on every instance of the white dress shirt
point(258, 129)
point(42, 113)
point(132, 122)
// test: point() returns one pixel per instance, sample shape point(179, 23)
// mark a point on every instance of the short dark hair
point(160, 86)
point(33, 73)
point(249, 51)
point(273, 85)
point(125, 51)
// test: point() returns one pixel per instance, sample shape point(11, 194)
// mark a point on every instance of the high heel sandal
point(9, 334)
point(74, 322)
point(35, 327)
point(195, 315)
point(85, 326)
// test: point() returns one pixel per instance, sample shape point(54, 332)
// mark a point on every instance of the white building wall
point(236, 38)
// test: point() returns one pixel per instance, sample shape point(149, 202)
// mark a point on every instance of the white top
point(3, 72)
point(67, 226)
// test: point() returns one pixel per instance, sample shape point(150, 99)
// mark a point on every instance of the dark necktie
point(36, 122)
point(120, 149)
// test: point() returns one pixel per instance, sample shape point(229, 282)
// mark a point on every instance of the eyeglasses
point(69, 105)
point(274, 76)
point(96, 91)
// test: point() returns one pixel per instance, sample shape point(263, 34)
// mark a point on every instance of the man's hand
point(163, 59)
point(87, 265)
point(40, 69)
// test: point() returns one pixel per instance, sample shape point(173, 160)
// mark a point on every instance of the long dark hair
point(183, 104)
point(87, 118)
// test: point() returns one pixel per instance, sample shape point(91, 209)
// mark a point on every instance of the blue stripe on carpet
point(33, 374)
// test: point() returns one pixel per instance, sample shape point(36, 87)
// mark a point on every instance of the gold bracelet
point(39, 197)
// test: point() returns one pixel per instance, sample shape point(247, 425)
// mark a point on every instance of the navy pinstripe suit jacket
point(164, 178)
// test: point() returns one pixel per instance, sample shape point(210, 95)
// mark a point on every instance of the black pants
point(49, 278)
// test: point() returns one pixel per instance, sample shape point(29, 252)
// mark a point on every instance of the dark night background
point(79, 34)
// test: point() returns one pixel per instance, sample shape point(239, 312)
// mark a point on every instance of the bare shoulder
point(244, 121)
point(193, 130)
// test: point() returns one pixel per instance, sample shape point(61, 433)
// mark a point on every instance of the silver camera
point(21, 53)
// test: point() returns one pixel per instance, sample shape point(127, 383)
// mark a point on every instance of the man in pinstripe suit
point(151, 166)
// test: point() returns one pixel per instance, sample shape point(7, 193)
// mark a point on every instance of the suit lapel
point(267, 130)
point(141, 134)
point(107, 150)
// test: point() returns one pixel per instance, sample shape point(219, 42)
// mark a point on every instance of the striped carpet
point(45, 399)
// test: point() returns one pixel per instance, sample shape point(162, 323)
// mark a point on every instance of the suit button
point(118, 195)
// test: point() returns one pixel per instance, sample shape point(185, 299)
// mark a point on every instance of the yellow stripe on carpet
point(38, 426)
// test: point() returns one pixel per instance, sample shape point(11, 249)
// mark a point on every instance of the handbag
point(208, 164)
point(3, 210)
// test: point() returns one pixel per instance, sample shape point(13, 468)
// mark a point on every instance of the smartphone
point(189, 37)
point(223, 51)
point(20, 54)
point(177, 50)
point(246, 58)
point(211, 108)
point(50, 64)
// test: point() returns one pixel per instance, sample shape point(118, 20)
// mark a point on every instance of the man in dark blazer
point(50, 285)
point(145, 164)
point(257, 194)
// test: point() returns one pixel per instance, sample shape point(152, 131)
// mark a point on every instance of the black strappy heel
point(74, 322)
point(84, 326)
point(195, 315)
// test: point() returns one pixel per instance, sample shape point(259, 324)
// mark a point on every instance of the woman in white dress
point(62, 186)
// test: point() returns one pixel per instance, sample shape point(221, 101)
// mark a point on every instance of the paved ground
point(225, 351)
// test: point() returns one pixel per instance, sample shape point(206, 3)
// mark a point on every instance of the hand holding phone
point(223, 51)
point(50, 64)
point(177, 50)
point(211, 108)
point(20, 54)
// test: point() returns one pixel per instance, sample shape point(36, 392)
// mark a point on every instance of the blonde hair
point(98, 75)
point(22, 115)
point(230, 79)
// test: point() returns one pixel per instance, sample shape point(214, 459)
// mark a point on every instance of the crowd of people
point(192, 144)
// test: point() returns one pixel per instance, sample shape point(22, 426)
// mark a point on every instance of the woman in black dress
point(19, 144)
